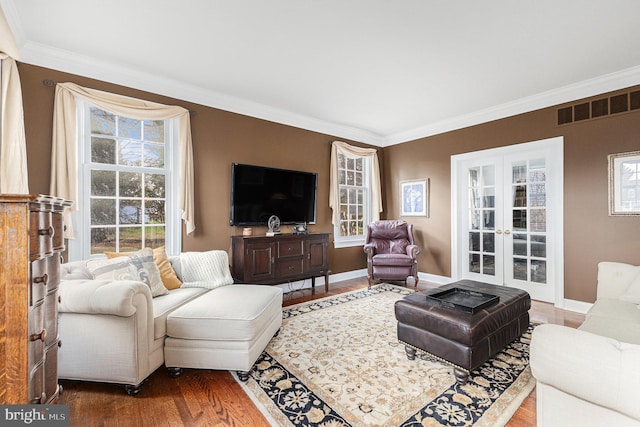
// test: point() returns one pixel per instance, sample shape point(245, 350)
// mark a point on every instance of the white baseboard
point(577, 306)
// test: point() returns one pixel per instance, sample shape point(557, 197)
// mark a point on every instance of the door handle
point(507, 231)
point(498, 231)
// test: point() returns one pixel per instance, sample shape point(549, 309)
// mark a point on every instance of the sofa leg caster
point(243, 375)
point(174, 372)
point(411, 352)
point(133, 390)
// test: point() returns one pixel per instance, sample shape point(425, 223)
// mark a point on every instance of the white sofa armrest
point(114, 297)
point(594, 368)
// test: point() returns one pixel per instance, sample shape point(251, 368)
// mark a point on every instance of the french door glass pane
point(482, 219)
point(529, 220)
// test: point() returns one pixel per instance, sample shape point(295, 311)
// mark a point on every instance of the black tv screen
point(257, 192)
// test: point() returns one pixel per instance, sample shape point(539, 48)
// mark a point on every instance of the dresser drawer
point(289, 267)
point(36, 384)
point(51, 388)
point(37, 334)
point(57, 222)
point(51, 318)
point(290, 248)
point(40, 235)
point(45, 278)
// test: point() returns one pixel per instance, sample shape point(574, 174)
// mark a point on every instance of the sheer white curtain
point(64, 165)
point(13, 146)
point(351, 151)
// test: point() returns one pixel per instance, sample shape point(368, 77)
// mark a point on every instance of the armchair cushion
point(398, 260)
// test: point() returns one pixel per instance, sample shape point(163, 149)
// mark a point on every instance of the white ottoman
point(226, 328)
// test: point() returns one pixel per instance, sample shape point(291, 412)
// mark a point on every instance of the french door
point(508, 217)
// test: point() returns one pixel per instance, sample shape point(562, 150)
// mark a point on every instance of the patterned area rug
point(337, 362)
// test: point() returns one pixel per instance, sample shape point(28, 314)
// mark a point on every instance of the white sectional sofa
point(114, 330)
point(590, 376)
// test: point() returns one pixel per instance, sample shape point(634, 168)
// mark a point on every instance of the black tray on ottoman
point(463, 299)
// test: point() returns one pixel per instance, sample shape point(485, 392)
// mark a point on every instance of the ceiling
point(376, 71)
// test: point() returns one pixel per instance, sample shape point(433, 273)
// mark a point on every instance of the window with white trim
point(355, 206)
point(126, 184)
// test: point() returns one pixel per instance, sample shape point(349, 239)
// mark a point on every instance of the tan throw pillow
point(167, 273)
point(147, 271)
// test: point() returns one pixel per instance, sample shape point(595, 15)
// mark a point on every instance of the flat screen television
point(257, 192)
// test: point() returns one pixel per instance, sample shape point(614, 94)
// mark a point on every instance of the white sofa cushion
point(614, 318)
point(165, 304)
point(228, 313)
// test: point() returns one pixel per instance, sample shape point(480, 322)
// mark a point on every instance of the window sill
point(348, 243)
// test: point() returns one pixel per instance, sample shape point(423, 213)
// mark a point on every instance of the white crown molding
point(62, 60)
point(584, 89)
point(11, 14)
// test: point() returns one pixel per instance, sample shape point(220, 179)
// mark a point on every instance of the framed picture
point(624, 183)
point(414, 197)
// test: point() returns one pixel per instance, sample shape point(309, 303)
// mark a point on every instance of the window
point(126, 184)
point(354, 196)
point(354, 192)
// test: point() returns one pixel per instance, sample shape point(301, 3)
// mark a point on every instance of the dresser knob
point(42, 279)
point(41, 336)
point(46, 231)
point(40, 399)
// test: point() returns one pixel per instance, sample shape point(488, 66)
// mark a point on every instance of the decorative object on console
point(274, 225)
point(300, 228)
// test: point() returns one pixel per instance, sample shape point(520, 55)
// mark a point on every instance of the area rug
point(337, 362)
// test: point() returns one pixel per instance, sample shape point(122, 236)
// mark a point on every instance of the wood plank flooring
point(213, 398)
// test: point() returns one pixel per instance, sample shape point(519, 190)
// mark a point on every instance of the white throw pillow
point(138, 266)
point(632, 294)
point(112, 269)
point(205, 269)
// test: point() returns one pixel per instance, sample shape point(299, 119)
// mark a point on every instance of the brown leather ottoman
point(463, 339)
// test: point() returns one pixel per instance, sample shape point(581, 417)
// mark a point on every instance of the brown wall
point(219, 138)
point(590, 234)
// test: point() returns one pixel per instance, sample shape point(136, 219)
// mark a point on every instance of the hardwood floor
point(213, 398)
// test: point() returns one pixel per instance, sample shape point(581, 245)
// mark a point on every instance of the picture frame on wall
point(624, 183)
point(414, 197)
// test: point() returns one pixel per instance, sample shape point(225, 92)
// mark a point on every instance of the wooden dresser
point(31, 243)
point(281, 258)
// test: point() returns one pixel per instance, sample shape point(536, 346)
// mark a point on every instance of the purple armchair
point(391, 252)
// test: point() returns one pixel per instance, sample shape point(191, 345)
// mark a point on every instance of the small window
point(353, 180)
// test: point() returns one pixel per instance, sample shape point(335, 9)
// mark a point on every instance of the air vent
point(599, 108)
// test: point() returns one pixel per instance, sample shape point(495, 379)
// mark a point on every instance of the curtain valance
point(334, 186)
point(64, 164)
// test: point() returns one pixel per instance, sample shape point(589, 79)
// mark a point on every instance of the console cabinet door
point(317, 255)
point(259, 261)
